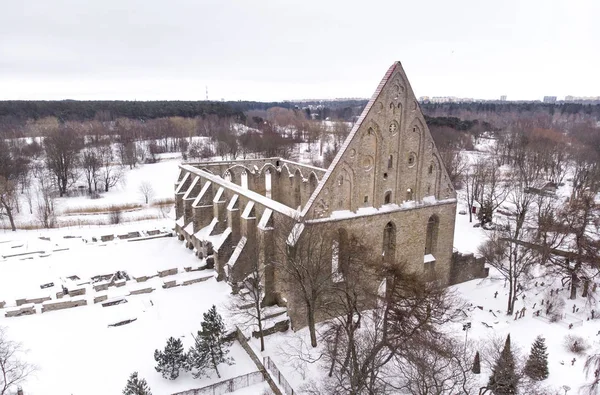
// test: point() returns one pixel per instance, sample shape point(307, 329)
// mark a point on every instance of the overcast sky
point(279, 49)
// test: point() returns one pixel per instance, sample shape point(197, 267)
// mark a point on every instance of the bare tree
point(455, 165)
point(62, 155)
point(571, 244)
point(383, 352)
point(494, 191)
point(45, 203)
point(91, 167)
point(474, 177)
point(146, 190)
point(13, 369)
point(592, 368)
point(308, 266)
point(8, 200)
point(110, 172)
point(509, 250)
point(440, 367)
point(12, 168)
point(250, 308)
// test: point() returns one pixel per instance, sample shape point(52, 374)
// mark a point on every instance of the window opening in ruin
point(414, 128)
point(411, 160)
point(366, 199)
point(431, 237)
point(391, 161)
point(388, 197)
point(370, 131)
point(277, 163)
point(429, 267)
point(268, 183)
point(431, 168)
point(389, 242)
point(340, 180)
point(385, 176)
point(227, 176)
point(244, 179)
point(409, 194)
point(335, 261)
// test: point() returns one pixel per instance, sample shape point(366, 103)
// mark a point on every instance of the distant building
point(503, 98)
point(582, 99)
point(549, 99)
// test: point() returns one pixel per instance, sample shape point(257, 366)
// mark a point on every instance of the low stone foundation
point(170, 284)
point(67, 304)
point(25, 310)
point(77, 292)
point(167, 272)
point(101, 298)
point(101, 287)
point(280, 326)
point(21, 302)
point(195, 280)
point(465, 267)
point(142, 291)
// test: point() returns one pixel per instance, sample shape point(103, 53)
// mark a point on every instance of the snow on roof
point(191, 188)
point(320, 169)
point(248, 210)
point(203, 233)
point(189, 228)
point(218, 195)
point(201, 194)
point(237, 251)
point(295, 234)
point(232, 202)
point(219, 242)
point(386, 208)
point(263, 200)
point(428, 258)
point(181, 183)
point(264, 220)
point(180, 221)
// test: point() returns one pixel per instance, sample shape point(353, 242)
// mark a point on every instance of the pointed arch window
point(244, 180)
point(431, 237)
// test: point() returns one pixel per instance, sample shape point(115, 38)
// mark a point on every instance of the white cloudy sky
point(288, 49)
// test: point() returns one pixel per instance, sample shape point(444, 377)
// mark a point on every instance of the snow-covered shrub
point(575, 344)
point(115, 216)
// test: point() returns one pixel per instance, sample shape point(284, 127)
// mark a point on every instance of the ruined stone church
point(386, 185)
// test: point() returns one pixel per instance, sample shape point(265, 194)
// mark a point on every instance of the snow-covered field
point(78, 353)
point(75, 349)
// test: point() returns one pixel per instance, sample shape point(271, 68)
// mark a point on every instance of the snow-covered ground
point(77, 353)
point(75, 349)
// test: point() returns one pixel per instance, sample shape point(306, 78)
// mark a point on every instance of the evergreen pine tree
point(136, 386)
point(504, 379)
point(171, 360)
point(210, 349)
point(537, 363)
point(476, 364)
